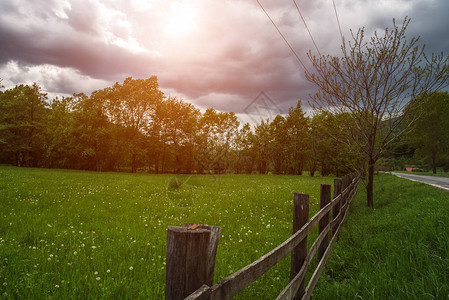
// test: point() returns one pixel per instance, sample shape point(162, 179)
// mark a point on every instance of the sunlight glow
point(181, 19)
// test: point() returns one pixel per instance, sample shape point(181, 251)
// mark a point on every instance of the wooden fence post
point(325, 198)
point(336, 208)
point(299, 253)
point(187, 263)
point(215, 232)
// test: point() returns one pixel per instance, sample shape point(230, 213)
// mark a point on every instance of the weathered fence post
point(300, 217)
point(188, 260)
point(325, 198)
point(215, 232)
point(336, 208)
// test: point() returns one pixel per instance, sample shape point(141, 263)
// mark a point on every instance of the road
point(439, 182)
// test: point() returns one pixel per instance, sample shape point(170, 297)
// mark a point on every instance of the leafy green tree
point(131, 105)
point(373, 81)
point(173, 128)
point(261, 140)
point(94, 136)
point(279, 143)
point(59, 148)
point(320, 146)
point(428, 117)
point(23, 112)
point(298, 137)
point(216, 136)
point(242, 148)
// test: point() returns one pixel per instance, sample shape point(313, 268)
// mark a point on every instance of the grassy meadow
point(84, 235)
point(398, 250)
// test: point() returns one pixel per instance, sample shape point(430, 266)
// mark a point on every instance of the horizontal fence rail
point(179, 286)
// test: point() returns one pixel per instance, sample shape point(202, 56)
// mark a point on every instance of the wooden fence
point(191, 250)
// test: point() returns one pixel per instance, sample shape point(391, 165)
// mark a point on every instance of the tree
point(320, 145)
point(279, 145)
point(216, 136)
point(430, 131)
point(298, 137)
point(22, 122)
point(374, 80)
point(132, 105)
point(173, 128)
point(261, 140)
point(59, 148)
point(242, 146)
point(94, 137)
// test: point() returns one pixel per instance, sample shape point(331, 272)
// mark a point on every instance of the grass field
point(72, 234)
point(399, 250)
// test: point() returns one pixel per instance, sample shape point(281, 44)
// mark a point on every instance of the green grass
point(85, 235)
point(399, 250)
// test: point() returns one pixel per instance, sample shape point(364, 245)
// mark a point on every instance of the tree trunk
point(369, 186)
point(156, 163)
point(434, 163)
point(133, 163)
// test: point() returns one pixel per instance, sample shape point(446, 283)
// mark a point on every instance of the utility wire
point(338, 21)
point(305, 24)
point(280, 33)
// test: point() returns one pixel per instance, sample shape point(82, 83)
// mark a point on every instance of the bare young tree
point(373, 81)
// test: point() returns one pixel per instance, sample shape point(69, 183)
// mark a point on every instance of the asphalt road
point(439, 182)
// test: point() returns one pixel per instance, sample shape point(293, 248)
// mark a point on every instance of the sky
point(212, 53)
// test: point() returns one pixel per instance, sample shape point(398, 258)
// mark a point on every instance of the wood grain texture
point(186, 268)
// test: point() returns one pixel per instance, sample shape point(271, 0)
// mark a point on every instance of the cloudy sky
point(212, 53)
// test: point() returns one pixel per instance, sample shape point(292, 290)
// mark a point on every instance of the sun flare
point(181, 19)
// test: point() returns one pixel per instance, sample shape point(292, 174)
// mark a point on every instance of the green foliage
point(22, 125)
point(74, 234)
point(298, 135)
point(399, 250)
point(133, 127)
point(429, 128)
point(217, 133)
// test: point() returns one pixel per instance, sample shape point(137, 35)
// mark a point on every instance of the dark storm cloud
point(66, 47)
point(430, 21)
point(75, 41)
point(232, 55)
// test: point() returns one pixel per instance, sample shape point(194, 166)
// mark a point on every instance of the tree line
point(425, 145)
point(132, 126)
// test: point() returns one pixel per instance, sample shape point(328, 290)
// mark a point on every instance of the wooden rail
point(296, 244)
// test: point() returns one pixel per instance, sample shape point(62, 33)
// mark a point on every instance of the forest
point(133, 127)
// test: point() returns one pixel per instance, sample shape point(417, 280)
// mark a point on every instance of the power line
point(338, 21)
point(305, 24)
point(280, 33)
